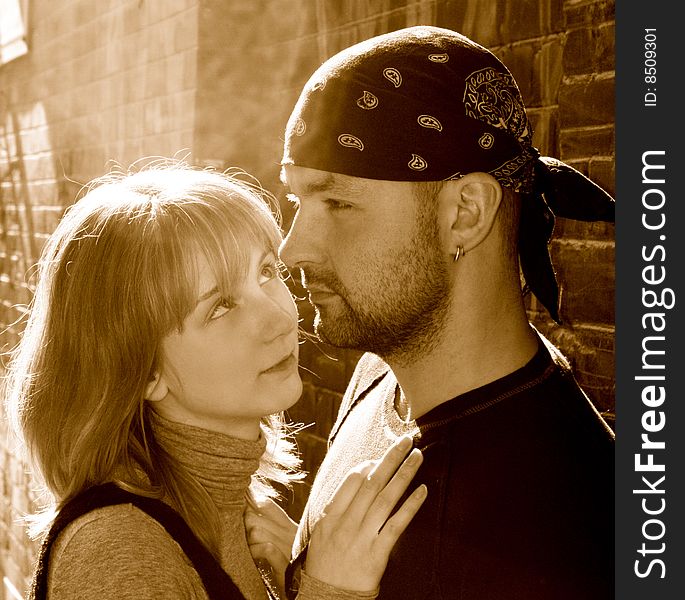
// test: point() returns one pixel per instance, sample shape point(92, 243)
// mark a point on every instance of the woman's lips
point(283, 365)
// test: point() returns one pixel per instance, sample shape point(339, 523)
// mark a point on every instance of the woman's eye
point(269, 271)
point(223, 306)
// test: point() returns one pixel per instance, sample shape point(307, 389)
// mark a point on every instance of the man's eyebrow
point(331, 183)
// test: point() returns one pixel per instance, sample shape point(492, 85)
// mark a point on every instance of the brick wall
point(120, 80)
point(102, 80)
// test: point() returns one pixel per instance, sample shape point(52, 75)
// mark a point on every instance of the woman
point(160, 351)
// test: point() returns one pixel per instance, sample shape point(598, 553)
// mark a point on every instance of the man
point(418, 192)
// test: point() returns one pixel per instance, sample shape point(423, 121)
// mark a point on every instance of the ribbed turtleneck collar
point(222, 464)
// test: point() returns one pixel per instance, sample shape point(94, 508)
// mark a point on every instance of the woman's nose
point(277, 315)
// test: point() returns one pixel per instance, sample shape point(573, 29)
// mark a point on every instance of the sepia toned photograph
point(316, 299)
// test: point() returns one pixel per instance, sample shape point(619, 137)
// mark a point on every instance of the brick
point(589, 13)
point(584, 230)
point(590, 351)
point(585, 272)
point(587, 142)
point(545, 134)
point(589, 101)
point(528, 19)
point(185, 31)
point(302, 411)
point(328, 366)
point(603, 172)
point(519, 59)
point(313, 450)
point(589, 50)
point(327, 407)
point(548, 71)
point(45, 219)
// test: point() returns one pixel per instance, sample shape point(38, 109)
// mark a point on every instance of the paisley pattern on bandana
point(300, 127)
point(350, 141)
point(486, 141)
point(429, 122)
point(393, 76)
point(417, 163)
point(494, 98)
point(368, 101)
point(517, 173)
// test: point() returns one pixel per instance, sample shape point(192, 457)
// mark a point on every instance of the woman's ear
point(471, 205)
point(156, 389)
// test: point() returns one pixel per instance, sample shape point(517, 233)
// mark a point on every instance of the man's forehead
point(305, 181)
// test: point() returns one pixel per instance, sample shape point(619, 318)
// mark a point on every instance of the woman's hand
point(351, 543)
point(270, 534)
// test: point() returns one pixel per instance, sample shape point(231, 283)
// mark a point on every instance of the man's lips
point(319, 294)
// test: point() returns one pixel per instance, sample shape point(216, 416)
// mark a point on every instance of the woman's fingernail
point(405, 443)
point(414, 458)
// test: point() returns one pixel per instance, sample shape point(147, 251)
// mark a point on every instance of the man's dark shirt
point(520, 486)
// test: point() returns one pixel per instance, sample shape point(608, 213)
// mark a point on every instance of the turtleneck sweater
point(121, 552)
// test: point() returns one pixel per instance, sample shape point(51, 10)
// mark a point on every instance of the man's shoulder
point(558, 358)
point(370, 369)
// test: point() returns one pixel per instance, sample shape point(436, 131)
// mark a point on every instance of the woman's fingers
point(268, 558)
point(374, 484)
point(266, 521)
point(386, 500)
point(395, 525)
point(351, 543)
point(348, 489)
point(269, 509)
point(266, 551)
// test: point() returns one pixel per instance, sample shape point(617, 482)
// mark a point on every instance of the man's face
point(371, 258)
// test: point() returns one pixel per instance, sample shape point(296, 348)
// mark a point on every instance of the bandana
point(428, 104)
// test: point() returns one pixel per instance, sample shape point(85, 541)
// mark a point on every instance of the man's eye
point(337, 204)
point(223, 306)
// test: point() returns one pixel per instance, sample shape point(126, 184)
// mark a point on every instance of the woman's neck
point(223, 464)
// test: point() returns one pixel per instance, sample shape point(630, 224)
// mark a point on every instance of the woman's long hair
point(116, 276)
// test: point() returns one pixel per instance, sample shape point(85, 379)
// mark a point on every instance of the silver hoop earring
point(460, 252)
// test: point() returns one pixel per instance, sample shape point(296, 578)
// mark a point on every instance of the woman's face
point(236, 359)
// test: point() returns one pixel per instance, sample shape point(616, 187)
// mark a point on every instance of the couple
point(162, 345)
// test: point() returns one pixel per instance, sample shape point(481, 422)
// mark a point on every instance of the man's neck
point(467, 356)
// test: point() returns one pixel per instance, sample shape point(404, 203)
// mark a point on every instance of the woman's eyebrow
point(207, 294)
point(215, 290)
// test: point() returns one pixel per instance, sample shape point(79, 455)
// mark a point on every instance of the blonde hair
point(115, 277)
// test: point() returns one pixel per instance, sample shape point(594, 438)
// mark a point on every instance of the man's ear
point(470, 205)
point(156, 389)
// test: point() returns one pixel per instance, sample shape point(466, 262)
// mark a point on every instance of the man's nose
point(302, 245)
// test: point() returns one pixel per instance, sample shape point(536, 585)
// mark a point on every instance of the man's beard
point(399, 316)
